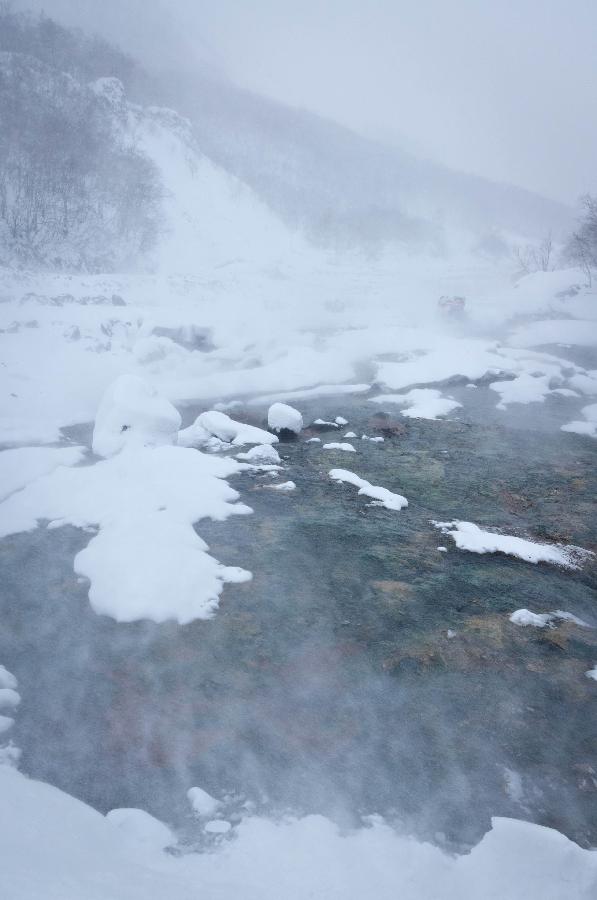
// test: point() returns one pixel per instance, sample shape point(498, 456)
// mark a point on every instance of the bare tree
point(535, 257)
point(582, 246)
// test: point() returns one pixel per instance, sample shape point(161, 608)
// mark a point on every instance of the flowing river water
point(362, 670)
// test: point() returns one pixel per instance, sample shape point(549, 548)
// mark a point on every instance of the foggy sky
point(501, 88)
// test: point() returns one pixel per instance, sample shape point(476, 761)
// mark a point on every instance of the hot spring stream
point(362, 670)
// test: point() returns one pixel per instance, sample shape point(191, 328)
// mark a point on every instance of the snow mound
point(340, 420)
point(146, 561)
point(132, 413)
point(202, 803)
point(335, 445)
point(281, 417)
point(421, 403)
point(380, 495)
point(468, 536)
point(215, 424)
point(24, 464)
point(263, 452)
point(592, 673)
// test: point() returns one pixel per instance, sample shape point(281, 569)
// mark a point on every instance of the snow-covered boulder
point(261, 453)
point(132, 412)
point(203, 804)
point(214, 424)
point(281, 417)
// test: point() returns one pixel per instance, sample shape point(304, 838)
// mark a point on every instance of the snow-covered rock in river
point(261, 453)
point(203, 804)
point(133, 413)
point(281, 417)
point(468, 536)
point(340, 445)
point(381, 496)
point(215, 424)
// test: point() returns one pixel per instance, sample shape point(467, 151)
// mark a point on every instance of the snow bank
point(132, 413)
point(592, 673)
point(215, 424)
point(468, 536)
point(146, 560)
point(381, 496)
point(421, 403)
point(139, 829)
point(24, 464)
point(281, 417)
point(54, 846)
point(334, 445)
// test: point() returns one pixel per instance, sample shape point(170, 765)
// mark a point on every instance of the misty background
point(507, 91)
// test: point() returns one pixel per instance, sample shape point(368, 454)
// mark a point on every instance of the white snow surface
point(56, 847)
point(281, 417)
point(421, 403)
point(133, 413)
point(592, 673)
point(468, 536)
point(21, 465)
point(146, 561)
point(381, 496)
